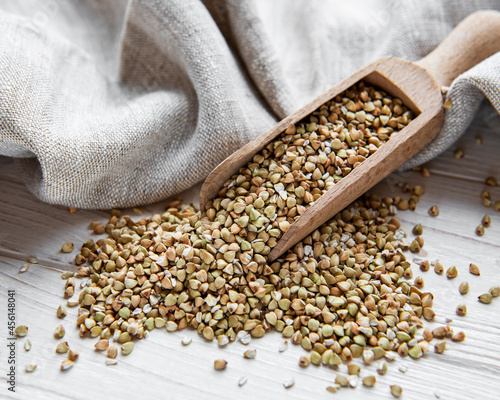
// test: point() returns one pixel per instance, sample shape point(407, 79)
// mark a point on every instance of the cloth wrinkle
point(121, 103)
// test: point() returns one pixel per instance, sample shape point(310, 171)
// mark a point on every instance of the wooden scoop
point(418, 85)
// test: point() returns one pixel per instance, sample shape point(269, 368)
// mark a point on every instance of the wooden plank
point(161, 366)
point(32, 228)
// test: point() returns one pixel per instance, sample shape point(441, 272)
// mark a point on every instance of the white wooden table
point(160, 367)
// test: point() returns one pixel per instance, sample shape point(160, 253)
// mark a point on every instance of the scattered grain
point(59, 332)
point(448, 103)
point(458, 337)
point(61, 312)
point(288, 383)
point(250, 354)
point(396, 391)
point(67, 364)
point(434, 211)
point(30, 368)
point(73, 355)
point(220, 365)
point(462, 310)
point(491, 181)
point(242, 381)
point(474, 269)
point(464, 288)
point(21, 331)
point(67, 247)
point(452, 272)
point(369, 381)
point(485, 298)
point(62, 348)
point(353, 369)
point(24, 268)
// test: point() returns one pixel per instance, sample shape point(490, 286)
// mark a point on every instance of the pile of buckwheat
point(341, 293)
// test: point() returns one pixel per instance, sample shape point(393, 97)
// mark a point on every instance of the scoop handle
point(473, 40)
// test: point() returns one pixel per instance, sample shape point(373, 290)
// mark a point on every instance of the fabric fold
point(115, 103)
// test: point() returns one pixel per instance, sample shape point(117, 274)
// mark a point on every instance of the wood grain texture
point(476, 38)
point(160, 367)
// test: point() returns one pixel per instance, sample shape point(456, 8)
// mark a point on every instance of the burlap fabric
point(109, 103)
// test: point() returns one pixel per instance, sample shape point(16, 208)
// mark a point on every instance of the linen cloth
point(114, 103)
